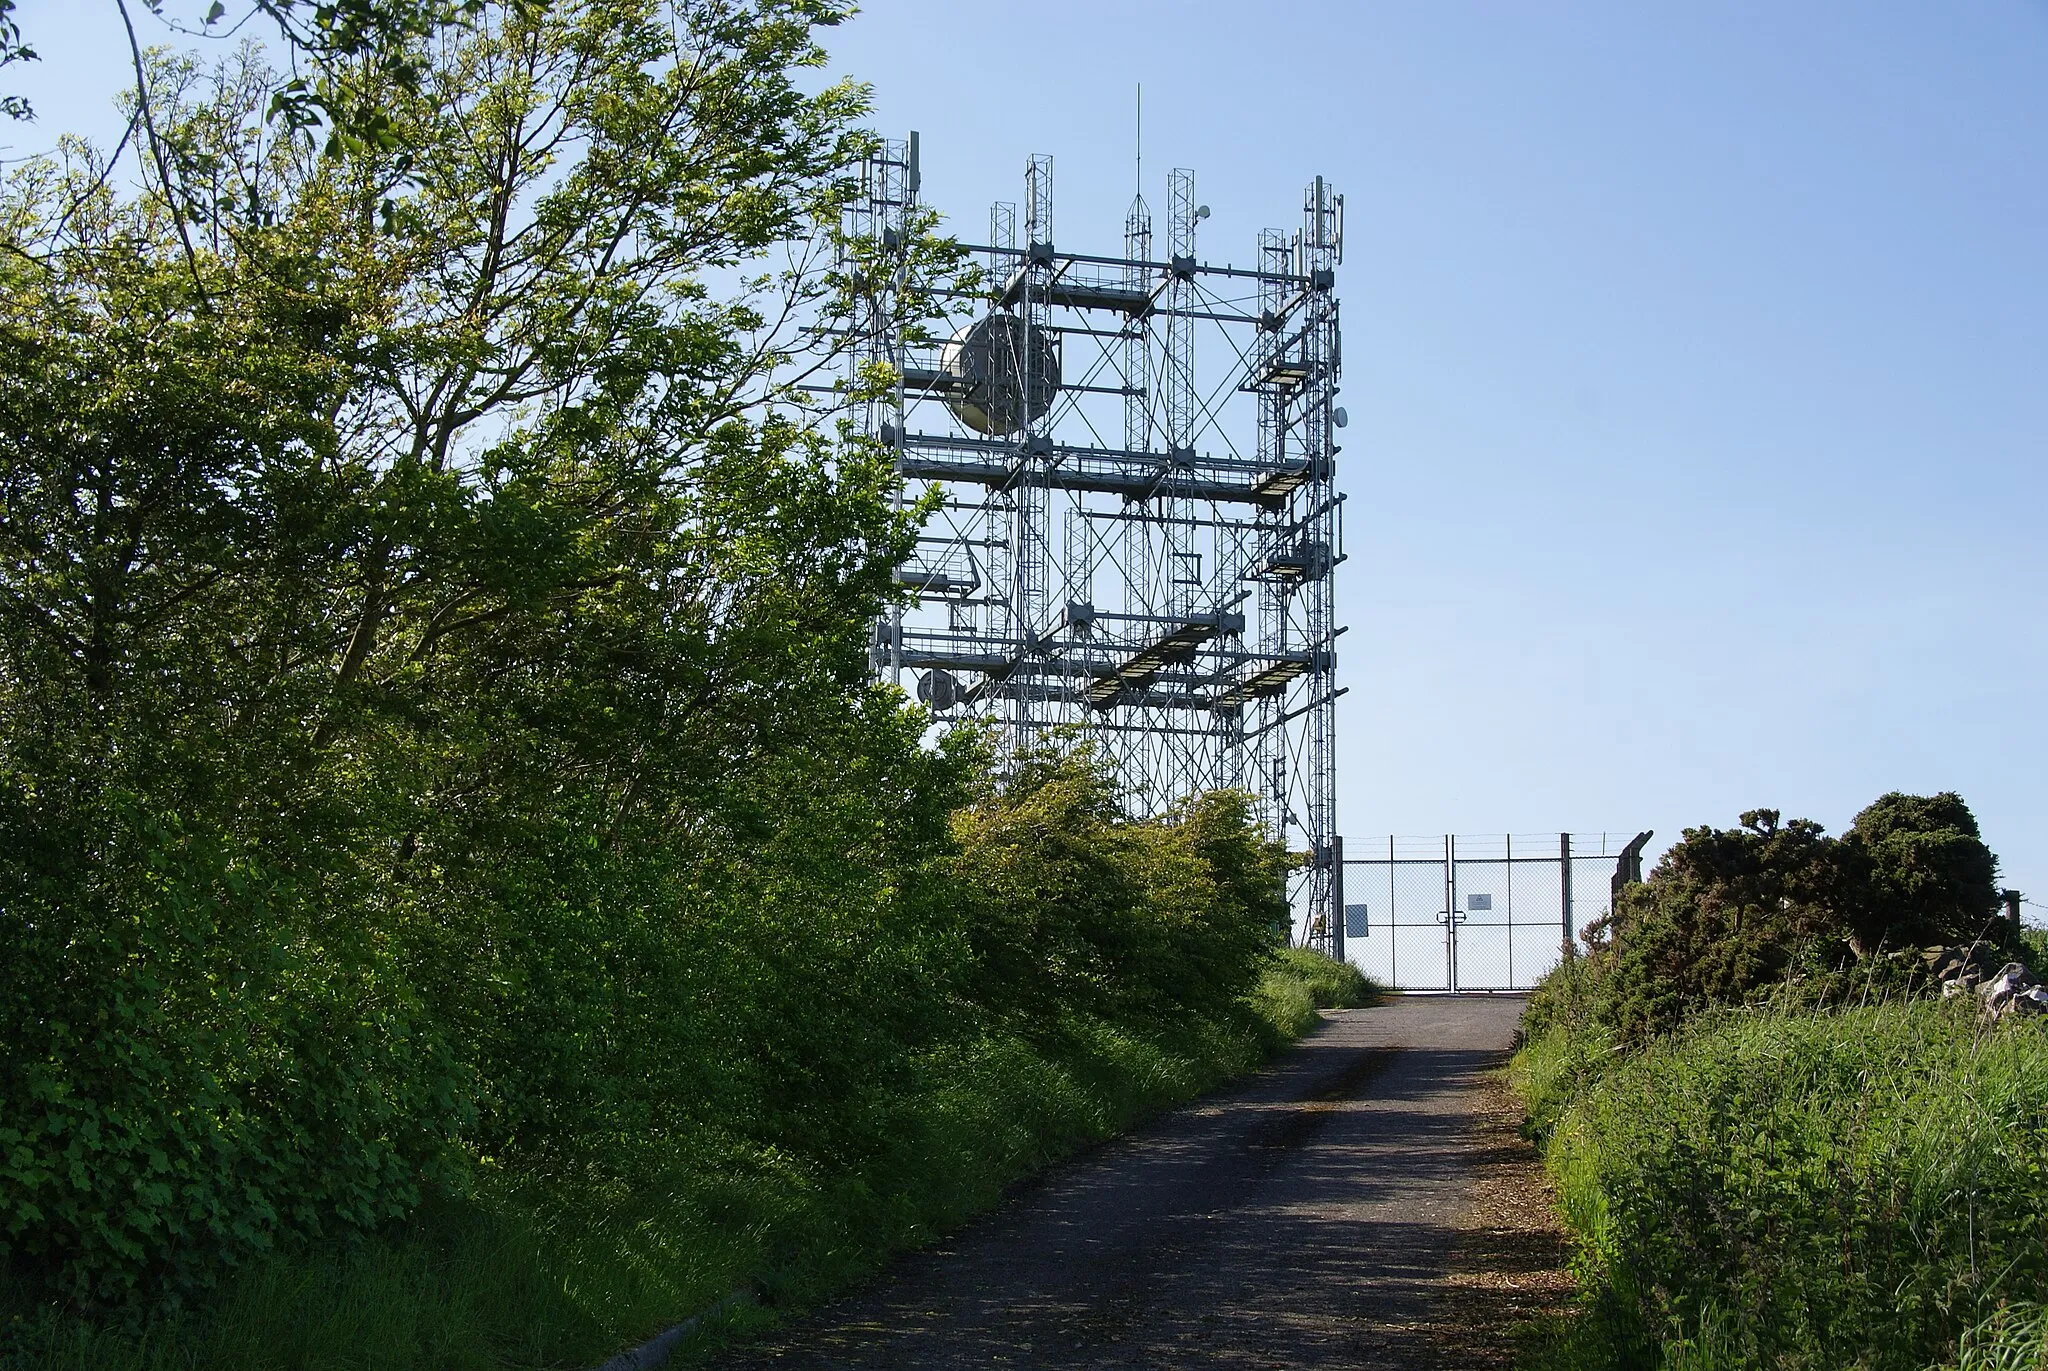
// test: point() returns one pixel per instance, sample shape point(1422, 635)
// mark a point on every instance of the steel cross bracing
point(1138, 522)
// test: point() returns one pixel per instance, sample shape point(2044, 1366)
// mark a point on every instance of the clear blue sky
point(1694, 356)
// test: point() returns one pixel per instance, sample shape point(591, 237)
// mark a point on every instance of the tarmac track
point(1315, 1214)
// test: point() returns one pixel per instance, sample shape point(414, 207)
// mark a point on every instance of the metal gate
point(1475, 913)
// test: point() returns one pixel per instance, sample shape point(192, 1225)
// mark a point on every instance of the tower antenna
point(1170, 599)
point(1141, 137)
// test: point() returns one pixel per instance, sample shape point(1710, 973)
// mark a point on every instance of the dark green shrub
point(1776, 1151)
point(1922, 874)
point(200, 1064)
point(1725, 913)
point(1731, 915)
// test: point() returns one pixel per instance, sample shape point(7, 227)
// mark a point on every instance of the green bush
point(1725, 912)
point(199, 1062)
point(522, 1276)
point(1797, 1189)
point(539, 1265)
point(1733, 915)
point(1773, 1148)
point(1922, 873)
point(1075, 908)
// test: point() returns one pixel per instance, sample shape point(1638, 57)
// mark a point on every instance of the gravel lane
point(1313, 1215)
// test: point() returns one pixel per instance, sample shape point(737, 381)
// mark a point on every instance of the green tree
point(1925, 873)
point(419, 603)
point(1074, 907)
point(327, 32)
point(13, 49)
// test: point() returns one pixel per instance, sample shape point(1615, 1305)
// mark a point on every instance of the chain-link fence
point(1490, 912)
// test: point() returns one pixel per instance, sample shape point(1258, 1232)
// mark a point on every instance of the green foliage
point(198, 1070)
point(2015, 1338)
point(797, 1191)
point(1076, 908)
point(1773, 1149)
point(1732, 915)
point(1301, 981)
point(1925, 876)
point(517, 1277)
point(1566, 1041)
point(433, 729)
point(1331, 984)
point(1726, 911)
point(201, 1055)
point(1797, 1189)
point(13, 49)
point(443, 808)
point(2032, 950)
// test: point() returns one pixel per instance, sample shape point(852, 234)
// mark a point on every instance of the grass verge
point(548, 1272)
point(1865, 1188)
point(1301, 982)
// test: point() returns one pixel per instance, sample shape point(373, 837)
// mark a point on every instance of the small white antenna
point(1141, 137)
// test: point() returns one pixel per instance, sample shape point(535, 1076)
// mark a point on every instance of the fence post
point(1564, 864)
point(1393, 928)
point(1337, 889)
point(1450, 911)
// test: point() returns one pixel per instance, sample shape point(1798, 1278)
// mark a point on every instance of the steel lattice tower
point(1138, 522)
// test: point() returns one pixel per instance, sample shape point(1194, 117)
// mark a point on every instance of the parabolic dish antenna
point(939, 689)
point(995, 384)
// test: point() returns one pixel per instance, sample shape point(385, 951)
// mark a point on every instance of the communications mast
point(1134, 454)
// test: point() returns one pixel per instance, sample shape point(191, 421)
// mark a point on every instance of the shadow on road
point(1318, 1214)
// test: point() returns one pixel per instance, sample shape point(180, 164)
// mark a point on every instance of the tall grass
point(2013, 1339)
point(1301, 982)
point(525, 1276)
point(1773, 1189)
